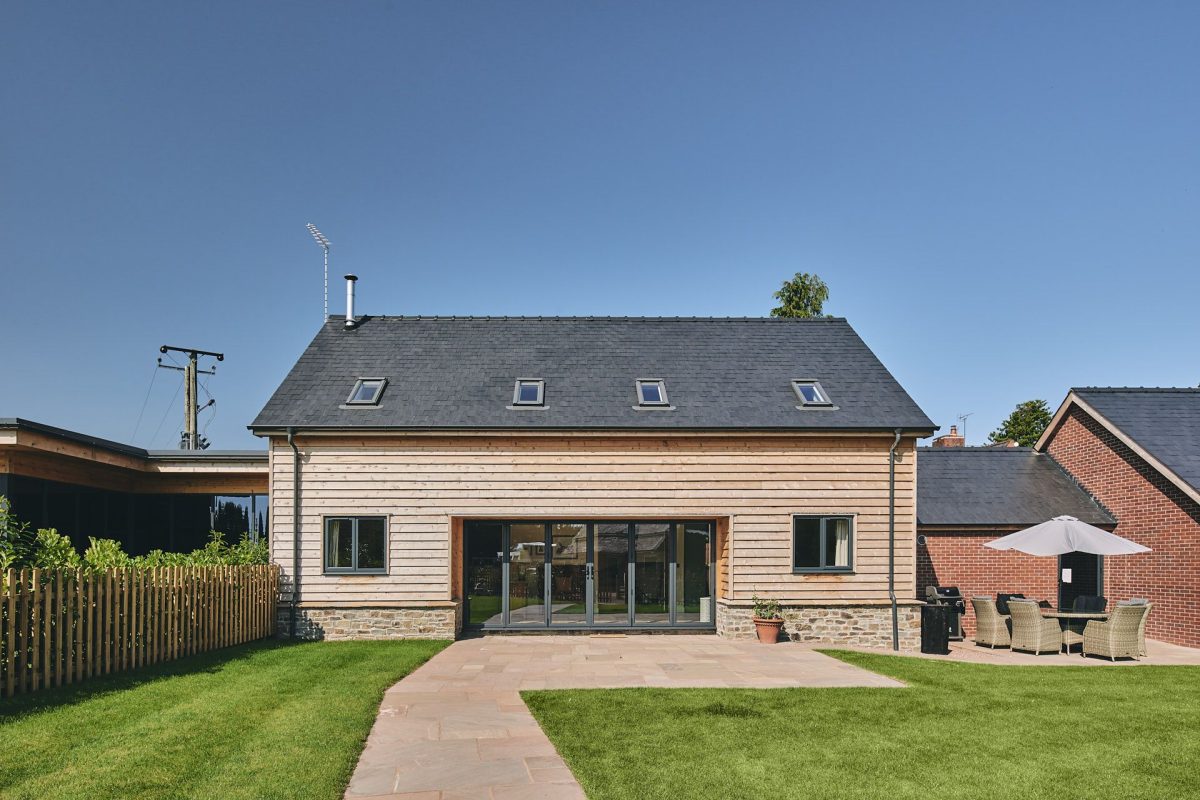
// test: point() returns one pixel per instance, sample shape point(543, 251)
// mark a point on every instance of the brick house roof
point(1162, 425)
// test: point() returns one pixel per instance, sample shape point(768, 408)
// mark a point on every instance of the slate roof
point(1163, 422)
point(720, 373)
point(997, 487)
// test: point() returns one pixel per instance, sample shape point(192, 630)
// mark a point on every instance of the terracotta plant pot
point(768, 629)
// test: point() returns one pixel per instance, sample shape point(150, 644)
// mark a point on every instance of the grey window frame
point(541, 394)
point(354, 569)
point(350, 401)
point(662, 393)
point(824, 518)
point(825, 402)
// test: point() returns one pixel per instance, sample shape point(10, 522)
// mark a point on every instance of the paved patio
point(1157, 653)
point(457, 729)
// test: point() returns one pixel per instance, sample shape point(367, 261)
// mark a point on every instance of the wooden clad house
point(434, 474)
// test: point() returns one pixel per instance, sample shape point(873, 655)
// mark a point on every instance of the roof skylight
point(811, 394)
point(366, 392)
point(652, 392)
point(529, 392)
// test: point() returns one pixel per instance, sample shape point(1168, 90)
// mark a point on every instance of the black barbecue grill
point(952, 597)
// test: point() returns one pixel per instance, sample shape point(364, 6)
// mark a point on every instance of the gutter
point(291, 440)
point(892, 540)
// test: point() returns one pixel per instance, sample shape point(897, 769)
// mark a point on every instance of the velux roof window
point(652, 392)
point(529, 392)
point(366, 392)
point(811, 394)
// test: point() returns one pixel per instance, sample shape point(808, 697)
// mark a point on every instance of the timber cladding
point(750, 484)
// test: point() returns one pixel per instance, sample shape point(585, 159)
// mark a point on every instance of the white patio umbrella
point(1066, 535)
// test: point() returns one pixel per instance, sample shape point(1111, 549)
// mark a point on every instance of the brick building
point(970, 495)
point(1137, 451)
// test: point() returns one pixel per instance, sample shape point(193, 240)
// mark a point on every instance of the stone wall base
point(858, 625)
point(332, 624)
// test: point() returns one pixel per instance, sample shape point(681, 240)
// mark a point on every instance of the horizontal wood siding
point(756, 482)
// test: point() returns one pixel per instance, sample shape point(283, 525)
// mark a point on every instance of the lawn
point(263, 720)
point(958, 730)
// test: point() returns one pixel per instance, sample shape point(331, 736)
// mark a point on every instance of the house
point(593, 473)
point(970, 495)
point(85, 486)
point(1137, 451)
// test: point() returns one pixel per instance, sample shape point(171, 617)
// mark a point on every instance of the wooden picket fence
point(58, 627)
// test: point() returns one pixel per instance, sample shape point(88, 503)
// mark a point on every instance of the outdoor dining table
point(1065, 618)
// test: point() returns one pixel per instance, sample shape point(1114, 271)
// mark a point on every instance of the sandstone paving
point(457, 728)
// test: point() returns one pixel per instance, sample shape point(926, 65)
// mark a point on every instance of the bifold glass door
point(569, 563)
point(588, 574)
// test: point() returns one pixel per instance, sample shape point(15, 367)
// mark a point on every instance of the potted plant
point(767, 619)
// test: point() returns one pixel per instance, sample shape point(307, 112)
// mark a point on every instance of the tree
point(1024, 425)
point(802, 296)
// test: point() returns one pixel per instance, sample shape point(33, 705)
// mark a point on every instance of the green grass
point(958, 730)
point(264, 720)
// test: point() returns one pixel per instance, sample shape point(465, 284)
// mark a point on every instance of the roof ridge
point(977, 448)
point(1136, 389)
point(597, 317)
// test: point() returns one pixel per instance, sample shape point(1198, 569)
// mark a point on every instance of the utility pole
point(191, 440)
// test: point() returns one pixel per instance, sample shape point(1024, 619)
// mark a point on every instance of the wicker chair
point(1139, 601)
point(1089, 602)
point(1118, 637)
point(1031, 631)
point(991, 627)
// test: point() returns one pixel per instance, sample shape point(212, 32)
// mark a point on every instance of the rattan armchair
point(1118, 637)
point(991, 627)
point(1140, 601)
point(1031, 631)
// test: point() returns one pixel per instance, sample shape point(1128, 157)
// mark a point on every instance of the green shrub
point(16, 540)
point(105, 554)
point(52, 550)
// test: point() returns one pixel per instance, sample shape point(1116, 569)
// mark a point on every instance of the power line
point(146, 399)
point(154, 436)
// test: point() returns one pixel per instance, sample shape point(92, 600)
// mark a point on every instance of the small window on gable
point(367, 392)
point(811, 393)
point(652, 393)
point(529, 392)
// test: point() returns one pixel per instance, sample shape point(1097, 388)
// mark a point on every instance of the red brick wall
point(960, 559)
point(1150, 510)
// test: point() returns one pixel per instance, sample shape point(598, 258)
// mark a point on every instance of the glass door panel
point(693, 572)
point(611, 553)
point(526, 574)
point(484, 554)
point(568, 574)
point(650, 541)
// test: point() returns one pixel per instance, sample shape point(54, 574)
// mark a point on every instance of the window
point(652, 393)
point(356, 544)
point(821, 544)
point(529, 392)
point(811, 393)
point(366, 392)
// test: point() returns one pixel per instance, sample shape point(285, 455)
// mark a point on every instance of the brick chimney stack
point(951, 439)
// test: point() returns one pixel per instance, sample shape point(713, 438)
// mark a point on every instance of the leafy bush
point(16, 541)
point(48, 549)
point(52, 550)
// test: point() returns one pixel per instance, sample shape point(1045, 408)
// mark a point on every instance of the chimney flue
point(951, 439)
point(350, 320)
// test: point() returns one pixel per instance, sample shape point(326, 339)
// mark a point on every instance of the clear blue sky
point(1003, 198)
